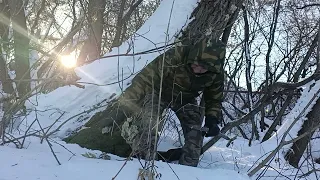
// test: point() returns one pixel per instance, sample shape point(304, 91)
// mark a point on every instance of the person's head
point(206, 57)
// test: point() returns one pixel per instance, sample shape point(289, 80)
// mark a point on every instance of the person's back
point(178, 76)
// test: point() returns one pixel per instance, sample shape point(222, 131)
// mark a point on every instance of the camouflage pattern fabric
point(142, 142)
point(180, 87)
point(190, 119)
point(140, 130)
point(178, 78)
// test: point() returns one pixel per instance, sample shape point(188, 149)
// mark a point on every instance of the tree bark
point(92, 47)
point(4, 23)
point(4, 29)
point(117, 37)
point(121, 21)
point(4, 77)
point(211, 16)
point(21, 46)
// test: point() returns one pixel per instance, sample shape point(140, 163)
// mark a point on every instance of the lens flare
point(69, 61)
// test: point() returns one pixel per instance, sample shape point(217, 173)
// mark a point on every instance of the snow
point(309, 96)
point(73, 100)
point(36, 161)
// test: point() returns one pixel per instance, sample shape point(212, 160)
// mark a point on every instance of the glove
point(211, 124)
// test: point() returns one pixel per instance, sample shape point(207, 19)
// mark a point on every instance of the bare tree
point(21, 46)
point(92, 46)
point(4, 29)
point(298, 148)
point(123, 17)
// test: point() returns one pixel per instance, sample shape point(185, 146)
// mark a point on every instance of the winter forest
point(63, 61)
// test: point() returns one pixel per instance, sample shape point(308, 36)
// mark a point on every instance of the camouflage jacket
point(178, 78)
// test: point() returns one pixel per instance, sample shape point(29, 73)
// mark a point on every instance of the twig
point(64, 147)
point(265, 100)
point(161, 83)
point(54, 123)
point(308, 173)
point(18, 144)
point(124, 164)
point(278, 172)
point(15, 139)
point(50, 145)
point(62, 124)
point(25, 134)
point(309, 5)
point(134, 54)
point(170, 167)
point(231, 141)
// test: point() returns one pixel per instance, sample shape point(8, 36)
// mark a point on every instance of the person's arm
point(213, 97)
point(213, 106)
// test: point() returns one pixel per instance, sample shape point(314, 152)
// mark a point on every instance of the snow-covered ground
point(36, 161)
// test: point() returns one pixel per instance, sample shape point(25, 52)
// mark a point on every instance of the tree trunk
point(21, 46)
point(4, 23)
point(277, 120)
point(209, 15)
point(313, 119)
point(4, 29)
point(92, 47)
point(4, 77)
point(94, 138)
point(116, 40)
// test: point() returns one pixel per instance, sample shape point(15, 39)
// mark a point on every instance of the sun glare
point(69, 61)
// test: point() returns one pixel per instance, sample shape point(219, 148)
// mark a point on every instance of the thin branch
point(309, 5)
point(161, 83)
point(73, 154)
point(46, 138)
point(134, 54)
point(25, 134)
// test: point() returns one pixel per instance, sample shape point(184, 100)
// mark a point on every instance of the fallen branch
point(283, 142)
point(308, 173)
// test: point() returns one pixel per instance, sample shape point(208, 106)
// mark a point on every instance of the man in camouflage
point(188, 70)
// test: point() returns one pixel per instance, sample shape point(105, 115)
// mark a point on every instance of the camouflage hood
point(209, 54)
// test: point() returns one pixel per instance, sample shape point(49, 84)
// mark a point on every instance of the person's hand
point(211, 124)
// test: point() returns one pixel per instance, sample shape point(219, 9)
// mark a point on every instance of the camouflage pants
point(140, 131)
point(188, 112)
